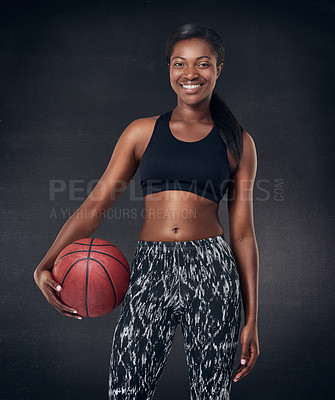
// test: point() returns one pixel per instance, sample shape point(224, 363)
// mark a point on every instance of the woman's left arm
point(244, 245)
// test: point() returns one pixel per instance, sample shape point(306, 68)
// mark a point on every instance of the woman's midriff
point(179, 216)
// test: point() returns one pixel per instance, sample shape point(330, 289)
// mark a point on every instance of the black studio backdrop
point(73, 76)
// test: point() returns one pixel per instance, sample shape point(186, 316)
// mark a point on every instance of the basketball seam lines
point(68, 271)
point(109, 278)
point(87, 269)
point(94, 251)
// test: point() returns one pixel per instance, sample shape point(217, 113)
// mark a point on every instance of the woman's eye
point(180, 64)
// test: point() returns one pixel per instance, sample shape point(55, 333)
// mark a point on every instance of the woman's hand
point(250, 351)
point(49, 287)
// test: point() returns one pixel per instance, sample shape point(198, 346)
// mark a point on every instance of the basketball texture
point(94, 275)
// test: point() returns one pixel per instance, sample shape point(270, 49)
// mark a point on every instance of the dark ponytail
point(230, 129)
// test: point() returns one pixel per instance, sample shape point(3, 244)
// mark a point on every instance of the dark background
point(73, 76)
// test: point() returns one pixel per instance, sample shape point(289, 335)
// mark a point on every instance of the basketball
point(94, 275)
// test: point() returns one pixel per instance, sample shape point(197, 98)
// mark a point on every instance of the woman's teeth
point(190, 86)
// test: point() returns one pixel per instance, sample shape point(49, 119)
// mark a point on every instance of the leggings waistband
point(184, 244)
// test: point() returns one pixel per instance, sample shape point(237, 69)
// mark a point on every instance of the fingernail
point(58, 288)
point(75, 312)
point(243, 361)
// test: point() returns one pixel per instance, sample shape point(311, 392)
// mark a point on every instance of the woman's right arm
point(85, 220)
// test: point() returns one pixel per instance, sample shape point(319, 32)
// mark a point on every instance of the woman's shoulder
point(249, 155)
point(144, 122)
point(139, 131)
point(140, 128)
point(249, 145)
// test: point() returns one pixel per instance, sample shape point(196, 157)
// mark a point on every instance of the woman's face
point(193, 70)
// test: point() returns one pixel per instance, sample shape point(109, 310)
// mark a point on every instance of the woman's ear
point(219, 69)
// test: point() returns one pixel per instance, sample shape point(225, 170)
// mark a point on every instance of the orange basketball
point(94, 275)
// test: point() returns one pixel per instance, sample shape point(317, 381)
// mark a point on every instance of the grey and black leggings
point(194, 283)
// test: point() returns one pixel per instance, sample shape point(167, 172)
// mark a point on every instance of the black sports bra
point(200, 167)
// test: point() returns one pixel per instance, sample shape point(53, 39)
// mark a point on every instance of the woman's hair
point(230, 129)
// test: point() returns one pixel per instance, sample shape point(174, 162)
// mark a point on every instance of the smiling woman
point(183, 271)
point(189, 158)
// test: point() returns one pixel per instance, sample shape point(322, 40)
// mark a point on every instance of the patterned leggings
point(194, 283)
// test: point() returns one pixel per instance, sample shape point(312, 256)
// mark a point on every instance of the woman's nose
point(191, 72)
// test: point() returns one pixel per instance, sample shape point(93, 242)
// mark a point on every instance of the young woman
point(183, 270)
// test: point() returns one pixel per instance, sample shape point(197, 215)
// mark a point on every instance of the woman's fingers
point(250, 351)
point(53, 284)
point(62, 307)
point(49, 287)
point(53, 299)
point(250, 361)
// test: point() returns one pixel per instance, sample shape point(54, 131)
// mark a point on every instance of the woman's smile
point(191, 88)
